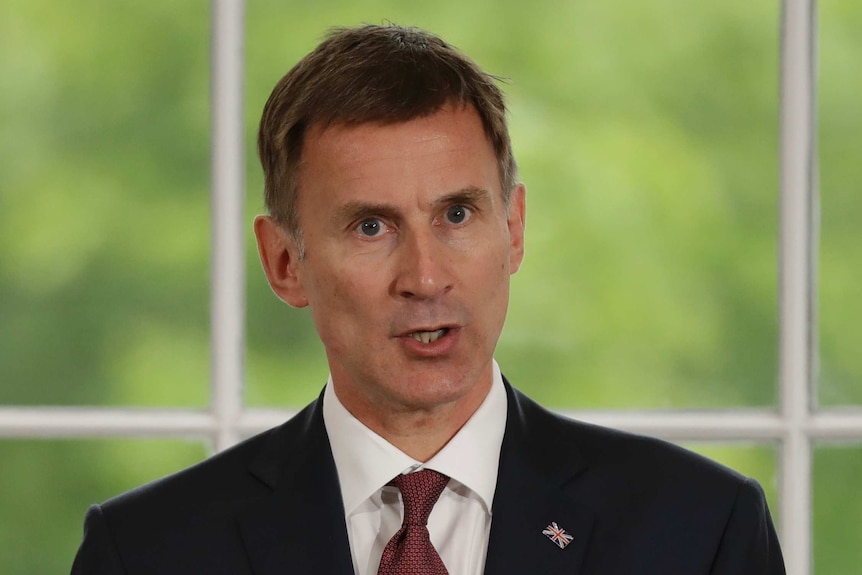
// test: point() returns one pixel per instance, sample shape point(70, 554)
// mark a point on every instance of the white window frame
point(795, 425)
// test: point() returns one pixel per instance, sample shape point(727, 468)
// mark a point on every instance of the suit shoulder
point(173, 524)
point(605, 445)
point(616, 453)
point(238, 473)
point(642, 485)
point(217, 473)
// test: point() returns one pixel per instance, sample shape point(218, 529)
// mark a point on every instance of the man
point(395, 215)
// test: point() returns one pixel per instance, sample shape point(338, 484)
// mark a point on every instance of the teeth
point(427, 336)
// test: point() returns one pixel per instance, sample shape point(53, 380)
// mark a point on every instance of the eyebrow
point(353, 211)
point(358, 210)
point(468, 195)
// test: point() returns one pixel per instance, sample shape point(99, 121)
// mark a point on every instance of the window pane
point(104, 205)
point(646, 134)
point(48, 486)
point(837, 509)
point(758, 461)
point(840, 173)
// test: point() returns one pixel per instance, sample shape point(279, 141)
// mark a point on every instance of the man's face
point(408, 252)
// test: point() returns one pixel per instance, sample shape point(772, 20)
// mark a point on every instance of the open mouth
point(429, 336)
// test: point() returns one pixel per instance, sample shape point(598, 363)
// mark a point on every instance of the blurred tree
point(103, 219)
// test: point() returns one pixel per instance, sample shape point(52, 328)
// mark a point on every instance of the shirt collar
point(471, 457)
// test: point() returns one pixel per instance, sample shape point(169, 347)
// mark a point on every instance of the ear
point(517, 222)
point(279, 255)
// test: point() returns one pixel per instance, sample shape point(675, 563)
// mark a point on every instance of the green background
point(647, 135)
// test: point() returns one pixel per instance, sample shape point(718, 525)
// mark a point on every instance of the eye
point(370, 228)
point(458, 214)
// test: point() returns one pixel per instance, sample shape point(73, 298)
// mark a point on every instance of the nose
point(424, 267)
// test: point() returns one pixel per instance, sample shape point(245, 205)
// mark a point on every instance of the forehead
point(445, 149)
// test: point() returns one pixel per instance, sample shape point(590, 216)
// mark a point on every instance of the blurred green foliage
point(646, 133)
point(104, 167)
point(837, 507)
point(48, 485)
point(840, 118)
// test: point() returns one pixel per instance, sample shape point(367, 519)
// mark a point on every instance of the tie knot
point(420, 492)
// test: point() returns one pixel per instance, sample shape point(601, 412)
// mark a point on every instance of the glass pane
point(758, 461)
point(647, 136)
point(837, 509)
point(104, 202)
point(49, 485)
point(841, 204)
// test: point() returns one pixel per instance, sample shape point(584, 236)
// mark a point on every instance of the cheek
point(345, 294)
point(496, 280)
point(489, 280)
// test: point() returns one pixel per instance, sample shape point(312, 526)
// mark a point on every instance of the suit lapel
point(300, 526)
point(536, 465)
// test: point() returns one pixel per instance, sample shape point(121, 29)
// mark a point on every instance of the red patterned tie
point(410, 551)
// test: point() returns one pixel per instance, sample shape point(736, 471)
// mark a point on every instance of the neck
point(419, 432)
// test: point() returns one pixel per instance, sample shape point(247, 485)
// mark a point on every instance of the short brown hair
point(371, 74)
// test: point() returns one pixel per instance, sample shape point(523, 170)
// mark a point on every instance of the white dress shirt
point(460, 522)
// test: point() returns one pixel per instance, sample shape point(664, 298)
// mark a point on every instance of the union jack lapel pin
point(557, 534)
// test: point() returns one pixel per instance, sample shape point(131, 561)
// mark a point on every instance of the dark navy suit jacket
point(272, 506)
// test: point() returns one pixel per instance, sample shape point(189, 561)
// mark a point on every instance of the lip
point(444, 345)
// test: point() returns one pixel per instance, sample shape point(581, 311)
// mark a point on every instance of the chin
point(428, 392)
